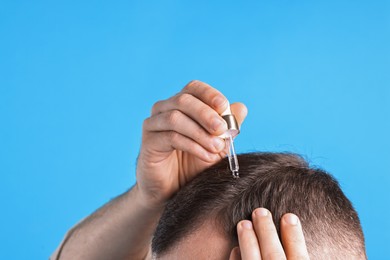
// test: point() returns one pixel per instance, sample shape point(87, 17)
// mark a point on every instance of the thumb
point(240, 111)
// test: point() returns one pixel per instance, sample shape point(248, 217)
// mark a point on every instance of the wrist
point(144, 202)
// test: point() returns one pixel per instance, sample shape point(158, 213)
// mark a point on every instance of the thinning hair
point(280, 182)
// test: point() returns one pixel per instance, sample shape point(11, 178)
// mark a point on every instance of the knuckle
point(173, 117)
point(213, 95)
point(191, 84)
point(145, 123)
point(156, 106)
point(211, 92)
point(182, 99)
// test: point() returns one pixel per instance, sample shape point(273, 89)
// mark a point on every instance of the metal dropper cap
point(232, 125)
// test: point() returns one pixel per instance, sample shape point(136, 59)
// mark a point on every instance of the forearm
point(122, 229)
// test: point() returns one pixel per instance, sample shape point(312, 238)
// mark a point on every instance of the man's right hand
point(180, 139)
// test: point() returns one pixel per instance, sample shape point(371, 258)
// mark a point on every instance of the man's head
point(201, 219)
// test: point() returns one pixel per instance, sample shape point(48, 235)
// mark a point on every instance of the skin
point(179, 140)
point(257, 240)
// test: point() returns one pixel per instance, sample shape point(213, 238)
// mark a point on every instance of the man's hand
point(259, 240)
point(180, 139)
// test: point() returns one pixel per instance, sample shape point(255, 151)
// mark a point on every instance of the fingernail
point(246, 224)
point(219, 124)
point(261, 212)
point(244, 112)
point(218, 143)
point(219, 101)
point(291, 219)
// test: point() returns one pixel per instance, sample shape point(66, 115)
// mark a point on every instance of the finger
point(239, 111)
point(200, 112)
point(249, 246)
point(235, 254)
point(174, 120)
point(292, 237)
point(164, 142)
point(270, 246)
point(207, 94)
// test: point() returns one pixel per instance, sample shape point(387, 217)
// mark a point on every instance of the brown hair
point(280, 182)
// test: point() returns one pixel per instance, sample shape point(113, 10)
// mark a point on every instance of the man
point(200, 221)
point(179, 141)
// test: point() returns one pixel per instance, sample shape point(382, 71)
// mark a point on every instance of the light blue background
point(77, 78)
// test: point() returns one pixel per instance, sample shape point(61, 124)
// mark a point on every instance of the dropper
point(233, 131)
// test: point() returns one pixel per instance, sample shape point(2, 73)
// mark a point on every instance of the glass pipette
point(232, 156)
